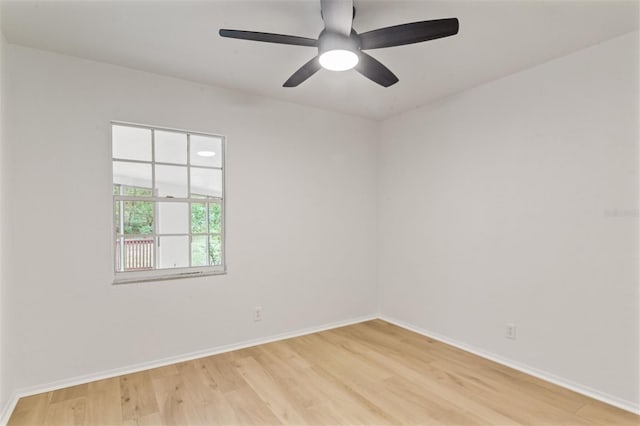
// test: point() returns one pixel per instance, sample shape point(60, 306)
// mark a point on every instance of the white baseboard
point(5, 414)
point(560, 381)
point(8, 409)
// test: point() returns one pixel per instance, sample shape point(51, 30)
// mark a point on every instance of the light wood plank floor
point(372, 373)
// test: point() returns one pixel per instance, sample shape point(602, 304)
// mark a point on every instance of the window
point(168, 203)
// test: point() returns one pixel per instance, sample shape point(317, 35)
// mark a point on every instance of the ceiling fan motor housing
point(328, 41)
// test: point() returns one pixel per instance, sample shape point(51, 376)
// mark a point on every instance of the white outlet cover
point(511, 331)
point(257, 313)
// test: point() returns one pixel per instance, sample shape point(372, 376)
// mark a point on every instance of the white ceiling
point(180, 38)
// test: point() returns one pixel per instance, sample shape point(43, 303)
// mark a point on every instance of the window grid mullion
point(121, 230)
point(190, 229)
point(208, 249)
point(175, 234)
point(164, 163)
point(223, 238)
point(156, 239)
point(141, 198)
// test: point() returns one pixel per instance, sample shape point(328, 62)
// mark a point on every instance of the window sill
point(165, 277)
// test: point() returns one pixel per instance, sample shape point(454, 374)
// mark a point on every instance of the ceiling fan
point(341, 48)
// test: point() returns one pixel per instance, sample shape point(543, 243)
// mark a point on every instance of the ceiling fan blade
point(375, 71)
point(305, 71)
point(337, 15)
point(414, 32)
point(269, 37)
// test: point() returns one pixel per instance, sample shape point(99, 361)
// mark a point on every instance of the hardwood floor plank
point(604, 414)
point(325, 414)
point(175, 404)
point(439, 410)
point(287, 375)
point(283, 352)
point(223, 370)
point(202, 389)
point(138, 397)
point(350, 406)
point(104, 404)
point(72, 392)
point(34, 402)
point(218, 411)
point(269, 390)
point(67, 412)
point(372, 373)
point(160, 372)
point(154, 419)
point(249, 409)
point(197, 380)
point(31, 410)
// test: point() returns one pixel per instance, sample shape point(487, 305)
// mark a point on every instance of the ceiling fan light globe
point(338, 60)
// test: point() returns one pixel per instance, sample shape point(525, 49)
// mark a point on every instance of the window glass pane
point(171, 147)
point(206, 151)
point(131, 143)
point(215, 217)
point(117, 216)
point(173, 218)
point(206, 182)
point(136, 191)
point(215, 250)
point(132, 175)
point(134, 254)
point(199, 218)
point(199, 250)
point(173, 252)
point(116, 189)
point(171, 181)
point(138, 217)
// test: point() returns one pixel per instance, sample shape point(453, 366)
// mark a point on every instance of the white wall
point(517, 202)
point(300, 215)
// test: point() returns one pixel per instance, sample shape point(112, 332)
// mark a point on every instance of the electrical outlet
point(257, 313)
point(510, 332)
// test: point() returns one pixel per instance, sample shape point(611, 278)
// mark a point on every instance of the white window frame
point(124, 277)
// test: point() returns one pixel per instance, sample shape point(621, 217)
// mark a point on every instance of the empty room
point(319, 212)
